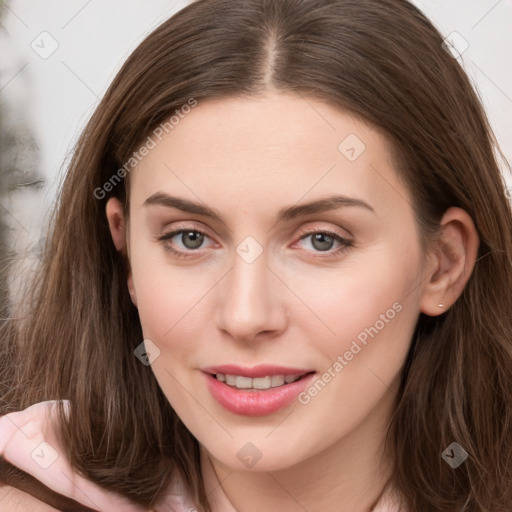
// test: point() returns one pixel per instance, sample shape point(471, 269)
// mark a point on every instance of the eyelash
point(345, 243)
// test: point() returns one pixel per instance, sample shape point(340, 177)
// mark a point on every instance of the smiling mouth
point(256, 390)
point(257, 383)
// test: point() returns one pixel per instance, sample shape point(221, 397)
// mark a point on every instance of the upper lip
point(260, 370)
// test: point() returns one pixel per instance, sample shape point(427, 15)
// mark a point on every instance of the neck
point(350, 476)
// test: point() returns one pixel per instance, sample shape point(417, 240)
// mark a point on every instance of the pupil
point(322, 241)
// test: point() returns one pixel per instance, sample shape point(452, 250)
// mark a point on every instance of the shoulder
point(14, 500)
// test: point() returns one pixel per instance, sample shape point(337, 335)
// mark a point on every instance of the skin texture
point(295, 305)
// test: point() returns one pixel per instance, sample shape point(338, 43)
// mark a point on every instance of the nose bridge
point(250, 302)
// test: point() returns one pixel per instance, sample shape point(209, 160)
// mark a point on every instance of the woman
point(278, 278)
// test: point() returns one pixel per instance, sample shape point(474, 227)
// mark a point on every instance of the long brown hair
point(383, 60)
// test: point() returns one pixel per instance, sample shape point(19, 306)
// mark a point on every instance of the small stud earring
point(440, 305)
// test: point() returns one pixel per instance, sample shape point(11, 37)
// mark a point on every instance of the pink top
point(28, 441)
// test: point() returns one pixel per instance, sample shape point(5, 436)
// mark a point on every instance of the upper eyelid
point(192, 227)
point(311, 230)
point(178, 229)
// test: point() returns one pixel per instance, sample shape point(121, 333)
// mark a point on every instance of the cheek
point(367, 297)
point(170, 299)
point(165, 309)
point(171, 312)
point(368, 318)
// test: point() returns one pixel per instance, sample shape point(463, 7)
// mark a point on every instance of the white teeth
point(240, 382)
point(262, 383)
point(277, 380)
point(243, 383)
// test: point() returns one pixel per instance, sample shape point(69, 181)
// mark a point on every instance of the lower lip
point(256, 403)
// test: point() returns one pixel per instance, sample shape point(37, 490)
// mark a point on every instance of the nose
point(251, 302)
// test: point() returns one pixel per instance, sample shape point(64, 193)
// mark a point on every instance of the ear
point(452, 259)
point(119, 232)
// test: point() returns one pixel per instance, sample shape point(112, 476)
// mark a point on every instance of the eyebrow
point(285, 214)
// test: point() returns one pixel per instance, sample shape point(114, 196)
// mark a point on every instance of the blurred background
point(57, 57)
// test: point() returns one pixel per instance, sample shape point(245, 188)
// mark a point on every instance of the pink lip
point(255, 403)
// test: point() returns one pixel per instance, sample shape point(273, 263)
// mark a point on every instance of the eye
point(183, 241)
point(323, 242)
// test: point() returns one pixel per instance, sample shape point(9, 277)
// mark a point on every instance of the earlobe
point(453, 259)
point(118, 230)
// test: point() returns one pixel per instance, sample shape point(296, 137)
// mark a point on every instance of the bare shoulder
point(14, 500)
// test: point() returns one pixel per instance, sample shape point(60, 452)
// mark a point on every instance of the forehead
point(280, 146)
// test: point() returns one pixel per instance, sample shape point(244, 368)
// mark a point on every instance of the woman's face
point(271, 238)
